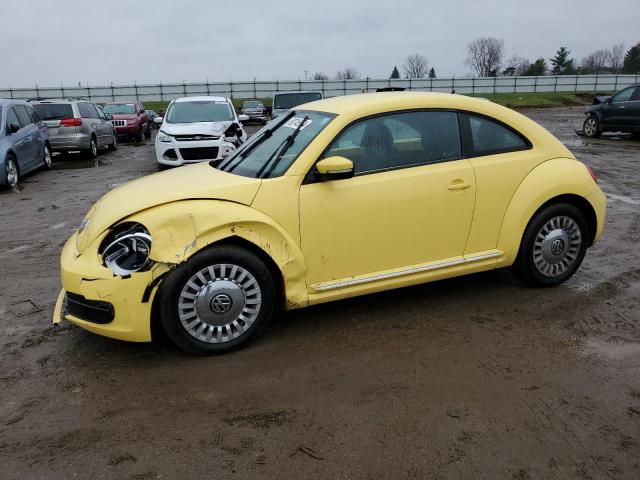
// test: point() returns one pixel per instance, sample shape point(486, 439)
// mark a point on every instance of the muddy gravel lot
point(476, 377)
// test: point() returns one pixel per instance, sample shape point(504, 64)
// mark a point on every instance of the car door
point(105, 130)
point(617, 112)
point(33, 145)
point(90, 118)
point(19, 140)
point(631, 120)
point(409, 202)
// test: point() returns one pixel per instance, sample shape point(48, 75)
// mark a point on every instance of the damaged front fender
point(181, 229)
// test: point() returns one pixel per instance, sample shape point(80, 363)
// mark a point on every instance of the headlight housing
point(163, 137)
point(126, 248)
point(131, 122)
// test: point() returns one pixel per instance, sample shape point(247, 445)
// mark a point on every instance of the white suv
point(197, 129)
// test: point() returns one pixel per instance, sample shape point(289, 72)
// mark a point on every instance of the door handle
point(458, 185)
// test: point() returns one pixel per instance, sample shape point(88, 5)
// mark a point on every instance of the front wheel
point(553, 246)
point(92, 153)
point(217, 301)
point(113, 146)
point(147, 133)
point(591, 127)
point(11, 171)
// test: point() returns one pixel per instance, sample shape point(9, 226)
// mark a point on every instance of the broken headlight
point(126, 249)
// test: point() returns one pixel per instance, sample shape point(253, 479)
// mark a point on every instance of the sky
point(99, 41)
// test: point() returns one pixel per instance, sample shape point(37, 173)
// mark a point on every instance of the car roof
point(201, 99)
point(380, 101)
point(12, 101)
point(291, 92)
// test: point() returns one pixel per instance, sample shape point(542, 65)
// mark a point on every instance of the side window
point(12, 118)
point(34, 115)
point(623, 96)
point(86, 110)
point(489, 137)
point(399, 140)
point(636, 95)
point(24, 117)
point(100, 112)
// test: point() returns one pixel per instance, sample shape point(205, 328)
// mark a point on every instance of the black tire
point(11, 171)
point(113, 146)
point(591, 127)
point(147, 133)
point(162, 166)
point(47, 159)
point(214, 258)
point(536, 247)
point(92, 152)
point(138, 136)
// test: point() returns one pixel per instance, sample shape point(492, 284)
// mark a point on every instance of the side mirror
point(13, 127)
point(609, 100)
point(157, 120)
point(142, 110)
point(243, 117)
point(334, 168)
point(108, 116)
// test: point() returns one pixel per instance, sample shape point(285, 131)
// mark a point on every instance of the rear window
point(54, 111)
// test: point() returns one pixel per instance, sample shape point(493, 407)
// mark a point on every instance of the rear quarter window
point(54, 111)
point(489, 137)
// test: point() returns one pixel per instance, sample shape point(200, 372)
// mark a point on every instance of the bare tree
point(616, 57)
point(484, 55)
point(349, 73)
point(416, 66)
point(595, 62)
point(517, 66)
point(320, 76)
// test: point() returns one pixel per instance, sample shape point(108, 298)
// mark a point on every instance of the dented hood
point(196, 128)
point(199, 181)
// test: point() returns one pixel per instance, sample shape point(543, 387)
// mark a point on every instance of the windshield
point(252, 105)
point(285, 101)
point(199, 111)
point(127, 108)
point(53, 111)
point(276, 146)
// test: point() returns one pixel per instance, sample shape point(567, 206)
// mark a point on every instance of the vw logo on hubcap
point(557, 246)
point(221, 303)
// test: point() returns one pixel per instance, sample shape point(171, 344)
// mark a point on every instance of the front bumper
point(127, 130)
point(130, 298)
point(180, 153)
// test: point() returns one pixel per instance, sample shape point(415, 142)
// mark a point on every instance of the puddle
point(9, 191)
point(615, 351)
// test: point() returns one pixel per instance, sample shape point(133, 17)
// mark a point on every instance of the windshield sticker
point(295, 123)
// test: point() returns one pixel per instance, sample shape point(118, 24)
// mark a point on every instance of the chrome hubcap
point(590, 126)
point(557, 246)
point(12, 173)
point(47, 157)
point(219, 303)
point(94, 148)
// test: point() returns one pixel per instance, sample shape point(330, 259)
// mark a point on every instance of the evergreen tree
point(432, 73)
point(631, 63)
point(539, 67)
point(562, 64)
point(395, 73)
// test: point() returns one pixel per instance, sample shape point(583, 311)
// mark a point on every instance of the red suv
point(130, 119)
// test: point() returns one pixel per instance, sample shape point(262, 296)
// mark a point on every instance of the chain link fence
point(329, 88)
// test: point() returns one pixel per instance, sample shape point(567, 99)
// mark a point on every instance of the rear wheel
point(138, 135)
point(553, 246)
point(93, 149)
point(217, 301)
point(114, 145)
point(11, 171)
point(47, 159)
point(147, 133)
point(591, 127)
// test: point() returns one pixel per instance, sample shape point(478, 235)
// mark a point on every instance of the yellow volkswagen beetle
point(337, 198)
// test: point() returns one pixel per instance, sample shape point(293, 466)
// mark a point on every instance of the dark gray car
point(618, 113)
point(77, 125)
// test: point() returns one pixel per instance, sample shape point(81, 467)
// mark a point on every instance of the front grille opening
point(94, 311)
point(203, 153)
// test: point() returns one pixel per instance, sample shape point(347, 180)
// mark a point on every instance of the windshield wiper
point(244, 153)
point(279, 152)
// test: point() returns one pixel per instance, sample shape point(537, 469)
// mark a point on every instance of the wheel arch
point(560, 180)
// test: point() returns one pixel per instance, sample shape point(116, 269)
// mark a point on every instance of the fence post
point(555, 85)
point(230, 89)
point(575, 85)
point(473, 85)
point(37, 93)
point(595, 87)
point(494, 84)
point(10, 91)
point(453, 84)
point(515, 84)
point(89, 91)
point(184, 88)
point(344, 85)
point(410, 84)
point(535, 84)
point(323, 92)
point(277, 86)
point(161, 99)
point(135, 86)
point(61, 90)
point(615, 87)
point(367, 85)
point(255, 93)
point(299, 84)
point(113, 97)
point(208, 89)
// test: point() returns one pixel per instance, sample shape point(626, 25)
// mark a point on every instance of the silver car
point(77, 125)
